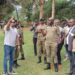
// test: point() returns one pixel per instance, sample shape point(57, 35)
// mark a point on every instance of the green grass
point(30, 66)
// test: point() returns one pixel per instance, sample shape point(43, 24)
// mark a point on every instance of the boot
point(16, 64)
point(39, 59)
point(69, 74)
point(48, 66)
point(56, 67)
point(45, 60)
point(22, 57)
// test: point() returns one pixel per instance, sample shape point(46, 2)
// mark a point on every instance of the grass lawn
point(30, 66)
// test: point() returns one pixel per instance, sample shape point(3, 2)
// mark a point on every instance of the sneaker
point(12, 73)
point(22, 58)
point(16, 65)
point(5, 74)
point(69, 73)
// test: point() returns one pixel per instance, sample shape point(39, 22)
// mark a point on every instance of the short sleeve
point(16, 30)
point(5, 28)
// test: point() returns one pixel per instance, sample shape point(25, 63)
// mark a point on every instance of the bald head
point(56, 22)
point(50, 21)
point(71, 22)
point(50, 18)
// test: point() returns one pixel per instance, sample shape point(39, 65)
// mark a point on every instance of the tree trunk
point(53, 9)
point(34, 7)
point(41, 9)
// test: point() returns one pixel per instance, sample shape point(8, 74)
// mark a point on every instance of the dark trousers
point(66, 47)
point(1, 26)
point(59, 47)
point(71, 61)
point(35, 45)
point(73, 57)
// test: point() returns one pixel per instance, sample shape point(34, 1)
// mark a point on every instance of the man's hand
point(7, 26)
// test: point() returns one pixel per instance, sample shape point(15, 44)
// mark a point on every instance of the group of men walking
point(49, 40)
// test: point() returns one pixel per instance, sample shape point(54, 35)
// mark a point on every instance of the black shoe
point(56, 67)
point(45, 60)
point(69, 73)
point(39, 60)
point(35, 54)
point(48, 67)
point(22, 58)
point(16, 64)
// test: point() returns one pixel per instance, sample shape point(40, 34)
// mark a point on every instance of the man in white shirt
point(9, 44)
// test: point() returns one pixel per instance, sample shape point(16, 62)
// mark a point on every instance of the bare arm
point(17, 41)
point(7, 26)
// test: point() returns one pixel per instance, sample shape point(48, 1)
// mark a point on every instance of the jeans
point(8, 55)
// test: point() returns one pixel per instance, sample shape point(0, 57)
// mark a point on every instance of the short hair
point(73, 20)
point(56, 20)
point(50, 18)
point(42, 19)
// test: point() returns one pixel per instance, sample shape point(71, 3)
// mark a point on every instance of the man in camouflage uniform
point(19, 47)
point(52, 33)
point(61, 41)
point(41, 40)
point(21, 42)
point(16, 52)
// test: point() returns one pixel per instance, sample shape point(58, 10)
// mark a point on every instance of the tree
point(6, 7)
point(47, 8)
point(53, 9)
point(41, 9)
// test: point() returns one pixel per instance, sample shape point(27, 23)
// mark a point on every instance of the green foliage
point(47, 9)
point(65, 9)
point(6, 8)
point(26, 10)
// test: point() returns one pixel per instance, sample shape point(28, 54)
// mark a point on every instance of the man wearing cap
point(52, 34)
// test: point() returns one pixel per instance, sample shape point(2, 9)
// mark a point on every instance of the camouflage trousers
point(41, 48)
point(51, 51)
point(18, 49)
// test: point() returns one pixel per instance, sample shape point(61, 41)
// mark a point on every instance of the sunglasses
point(12, 22)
